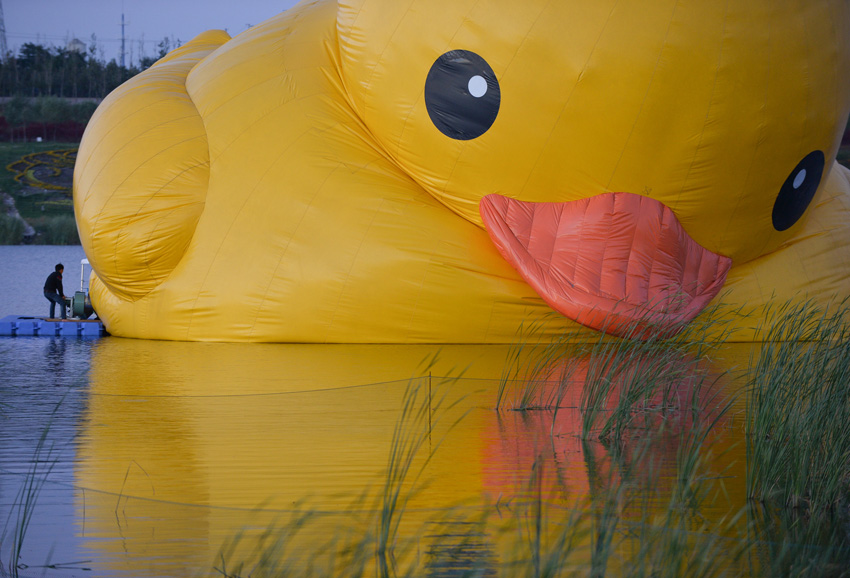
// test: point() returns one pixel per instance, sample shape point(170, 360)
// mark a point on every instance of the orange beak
point(617, 262)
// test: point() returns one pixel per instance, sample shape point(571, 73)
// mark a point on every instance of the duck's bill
point(617, 262)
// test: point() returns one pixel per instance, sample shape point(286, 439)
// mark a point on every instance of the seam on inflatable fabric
point(163, 69)
point(209, 171)
point(610, 216)
point(414, 309)
point(94, 223)
point(580, 227)
point(629, 261)
point(657, 248)
point(761, 129)
point(115, 152)
point(206, 139)
point(821, 186)
point(114, 256)
point(694, 288)
point(224, 236)
point(461, 148)
point(646, 94)
point(351, 267)
point(307, 206)
point(173, 208)
point(557, 235)
point(710, 104)
point(419, 96)
point(246, 128)
point(493, 303)
point(378, 59)
point(150, 158)
point(569, 97)
point(114, 126)
point(276, 77)
point(283, 253)
point(373, 142)
point(806, 77)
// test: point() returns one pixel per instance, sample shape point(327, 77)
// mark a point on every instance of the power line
point(47, 37)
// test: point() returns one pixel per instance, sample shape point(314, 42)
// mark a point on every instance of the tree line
point(45, 117)
point(39, 71)
point(51, 92)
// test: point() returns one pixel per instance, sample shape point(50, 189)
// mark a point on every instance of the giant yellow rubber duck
point(429, 171)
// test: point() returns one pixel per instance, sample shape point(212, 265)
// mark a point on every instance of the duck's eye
point(462, 95)
point(797, 191)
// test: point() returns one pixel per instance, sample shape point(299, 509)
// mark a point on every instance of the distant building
point(76, 45)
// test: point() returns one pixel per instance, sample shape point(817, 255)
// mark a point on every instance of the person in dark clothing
point(53, 291)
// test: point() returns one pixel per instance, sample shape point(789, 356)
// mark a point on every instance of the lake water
point(23, 269)
point(145, 458)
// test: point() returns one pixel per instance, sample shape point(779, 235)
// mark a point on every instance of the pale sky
point(53, 22)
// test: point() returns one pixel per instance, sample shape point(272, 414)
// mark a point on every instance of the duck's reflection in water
point(185, 445)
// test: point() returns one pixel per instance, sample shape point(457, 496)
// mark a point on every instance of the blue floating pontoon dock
point(79, 325)
point(22, 326)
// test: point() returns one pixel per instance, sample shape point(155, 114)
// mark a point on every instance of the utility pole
point(123, 51)
point(3, 47)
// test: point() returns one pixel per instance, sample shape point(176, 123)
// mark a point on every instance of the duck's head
point(622, 155)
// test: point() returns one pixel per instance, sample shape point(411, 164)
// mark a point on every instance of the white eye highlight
point(798, 180)
point(477, 86)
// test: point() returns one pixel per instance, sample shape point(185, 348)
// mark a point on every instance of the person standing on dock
point(53, 291)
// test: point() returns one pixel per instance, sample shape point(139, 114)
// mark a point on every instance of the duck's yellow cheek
point(746, 221)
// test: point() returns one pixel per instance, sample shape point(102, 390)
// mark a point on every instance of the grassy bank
point(37, 176)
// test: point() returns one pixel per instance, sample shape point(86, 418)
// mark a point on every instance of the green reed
point(16, 527)
point(547, 541)
point(630, 383)
point(370, 546)
point(627, 526)
point(624, 383)
point(790, 543)
point(641, 385)
point(649, 384)
point(532, 368)
point(647, 531)
point(622, 379)
point(413, 429)
point(798, 408)
point(638, 520)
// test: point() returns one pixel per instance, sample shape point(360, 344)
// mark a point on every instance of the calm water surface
point(23, 269)
point(149, 455)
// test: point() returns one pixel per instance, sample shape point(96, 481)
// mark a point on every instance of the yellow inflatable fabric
point(427, 171)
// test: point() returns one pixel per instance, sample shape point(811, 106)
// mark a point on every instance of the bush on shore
point(56, 230)
point(11, 230)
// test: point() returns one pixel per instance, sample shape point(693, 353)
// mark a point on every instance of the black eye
point(462, 95)
point(797, 191)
